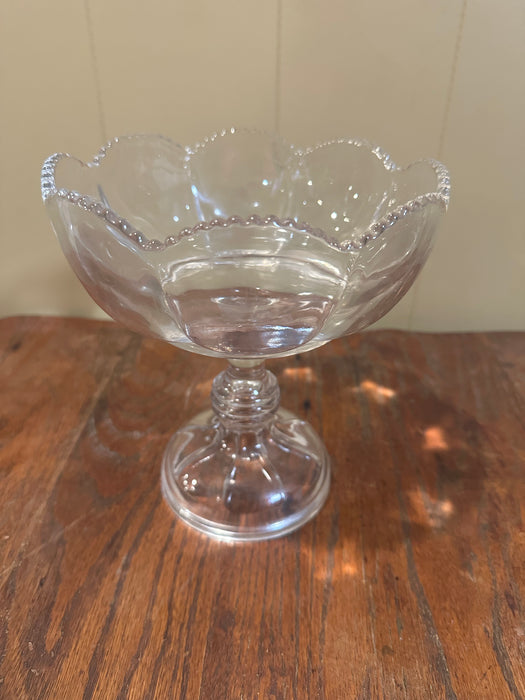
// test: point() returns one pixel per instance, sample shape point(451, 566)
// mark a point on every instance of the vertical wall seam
point(96, 72)
point(442, 133)
point(452, 80)
point(278, 65)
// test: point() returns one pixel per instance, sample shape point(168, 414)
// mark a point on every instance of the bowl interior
point(161, 188)
point(244, 245)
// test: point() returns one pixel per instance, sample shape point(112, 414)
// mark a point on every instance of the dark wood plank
point(409, 584)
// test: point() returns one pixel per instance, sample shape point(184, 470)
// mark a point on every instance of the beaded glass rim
point(440, 196)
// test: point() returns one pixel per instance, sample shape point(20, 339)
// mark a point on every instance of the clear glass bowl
point(244, 247)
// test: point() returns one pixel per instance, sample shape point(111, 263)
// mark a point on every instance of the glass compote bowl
point(247, 248)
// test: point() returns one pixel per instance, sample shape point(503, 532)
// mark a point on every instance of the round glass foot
point(245, 484)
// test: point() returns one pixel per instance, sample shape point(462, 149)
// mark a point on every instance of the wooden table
point(409, 584)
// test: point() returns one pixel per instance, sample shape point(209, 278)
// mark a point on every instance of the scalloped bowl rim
point(439, 196)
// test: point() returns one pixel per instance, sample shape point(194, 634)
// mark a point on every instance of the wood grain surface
point(409, 584)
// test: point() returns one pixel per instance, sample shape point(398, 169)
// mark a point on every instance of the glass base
point(246, 485)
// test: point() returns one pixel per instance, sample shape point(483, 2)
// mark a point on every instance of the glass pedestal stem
point(246, 470)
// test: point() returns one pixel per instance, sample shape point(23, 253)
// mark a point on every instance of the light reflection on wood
point(434, 439)
point(380, 394)
point(430, 511)
point(303, 374)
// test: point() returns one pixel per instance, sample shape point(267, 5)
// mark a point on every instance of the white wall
point(421, 78)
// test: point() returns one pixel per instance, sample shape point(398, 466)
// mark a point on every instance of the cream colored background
point(442, 78)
